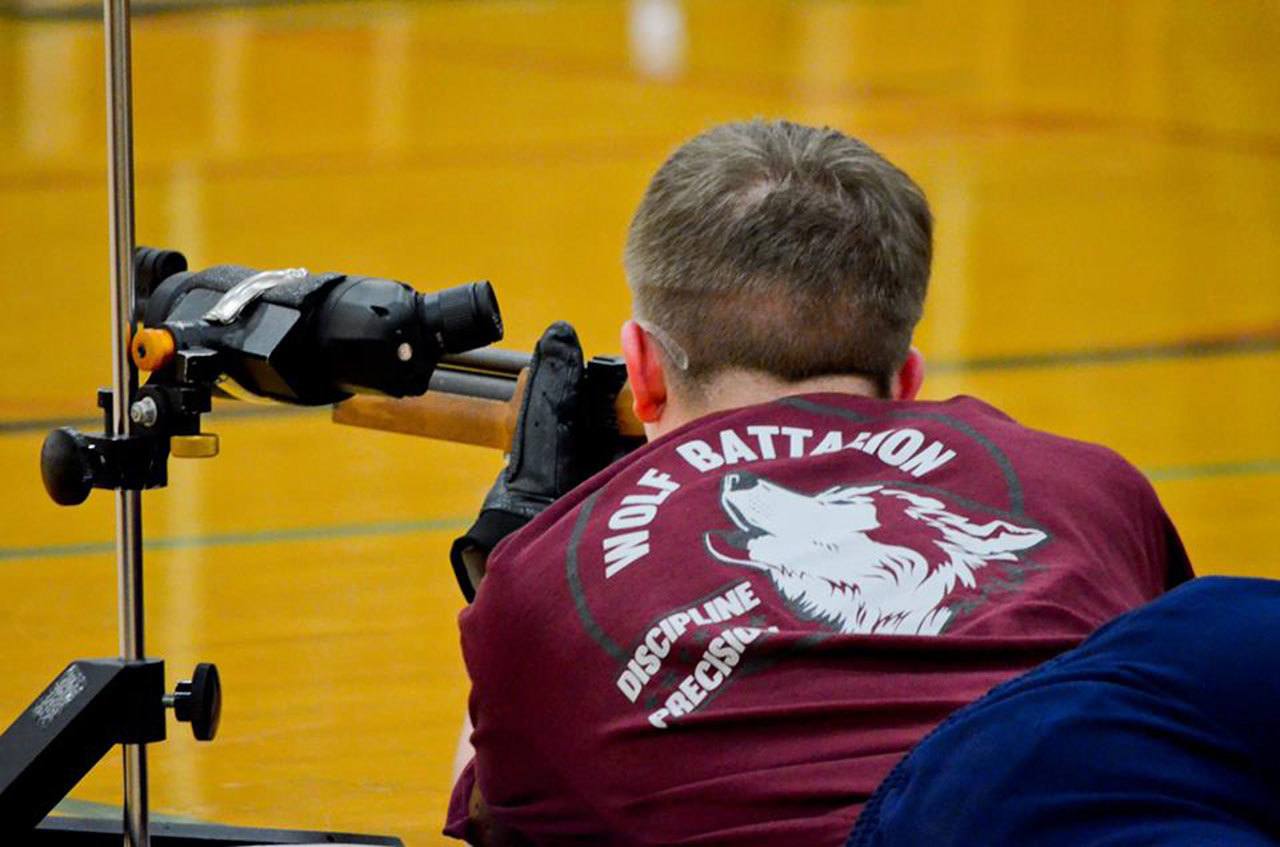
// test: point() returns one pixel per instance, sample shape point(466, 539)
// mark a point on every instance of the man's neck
point(737, 388)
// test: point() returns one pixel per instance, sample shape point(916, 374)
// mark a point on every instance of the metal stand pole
point(124, 382)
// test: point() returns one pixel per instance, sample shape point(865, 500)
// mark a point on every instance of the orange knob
point(152, 349)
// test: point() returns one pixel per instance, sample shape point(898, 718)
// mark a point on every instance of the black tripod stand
point(95, 704)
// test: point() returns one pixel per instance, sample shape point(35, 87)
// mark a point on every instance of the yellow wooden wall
point(1106, 179)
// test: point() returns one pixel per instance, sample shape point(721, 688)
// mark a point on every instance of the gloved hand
point(561, 438)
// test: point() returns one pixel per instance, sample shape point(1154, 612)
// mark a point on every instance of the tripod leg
point(93, 705)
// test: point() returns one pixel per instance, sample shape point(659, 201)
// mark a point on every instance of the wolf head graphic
point(820, 553)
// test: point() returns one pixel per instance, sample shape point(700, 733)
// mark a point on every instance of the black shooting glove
point(563, 435)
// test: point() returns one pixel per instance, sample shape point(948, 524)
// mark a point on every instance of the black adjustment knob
point(198, 701)
point(65, 467)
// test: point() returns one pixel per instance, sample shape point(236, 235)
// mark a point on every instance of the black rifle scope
point(299, 337)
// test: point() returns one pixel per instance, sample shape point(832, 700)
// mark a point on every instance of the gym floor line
point(324, 532)
point(330, 532)
point(89, 809)
point(1251, 343)
point(76, 11)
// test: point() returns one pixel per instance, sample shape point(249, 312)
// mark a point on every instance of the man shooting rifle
point(731, 635)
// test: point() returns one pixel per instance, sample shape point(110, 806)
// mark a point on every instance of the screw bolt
point(144, 412)
point(404, 352)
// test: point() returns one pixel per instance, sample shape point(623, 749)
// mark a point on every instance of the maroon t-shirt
point(730, 636)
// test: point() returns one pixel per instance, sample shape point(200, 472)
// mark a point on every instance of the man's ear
point(644, 371)
point(907, 382)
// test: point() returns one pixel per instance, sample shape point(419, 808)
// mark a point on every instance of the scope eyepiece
point(151, 267)
point(461, 318)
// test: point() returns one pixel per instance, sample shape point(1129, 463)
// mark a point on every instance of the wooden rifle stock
point(474, 398)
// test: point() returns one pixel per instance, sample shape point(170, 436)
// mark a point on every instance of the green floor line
point(1175, 473)
point(1264, 342)
point(222, 412)
point(1258, 467)
point(72, 807)
point(92, 12)
point(1247, 344)
point(234, 539)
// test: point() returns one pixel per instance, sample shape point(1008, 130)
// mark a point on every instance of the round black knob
point(65, 467)
point(198, 701)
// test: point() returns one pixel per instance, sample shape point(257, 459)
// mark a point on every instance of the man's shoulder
point(807, 444)
point(809, 424)
point(1057, 454)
